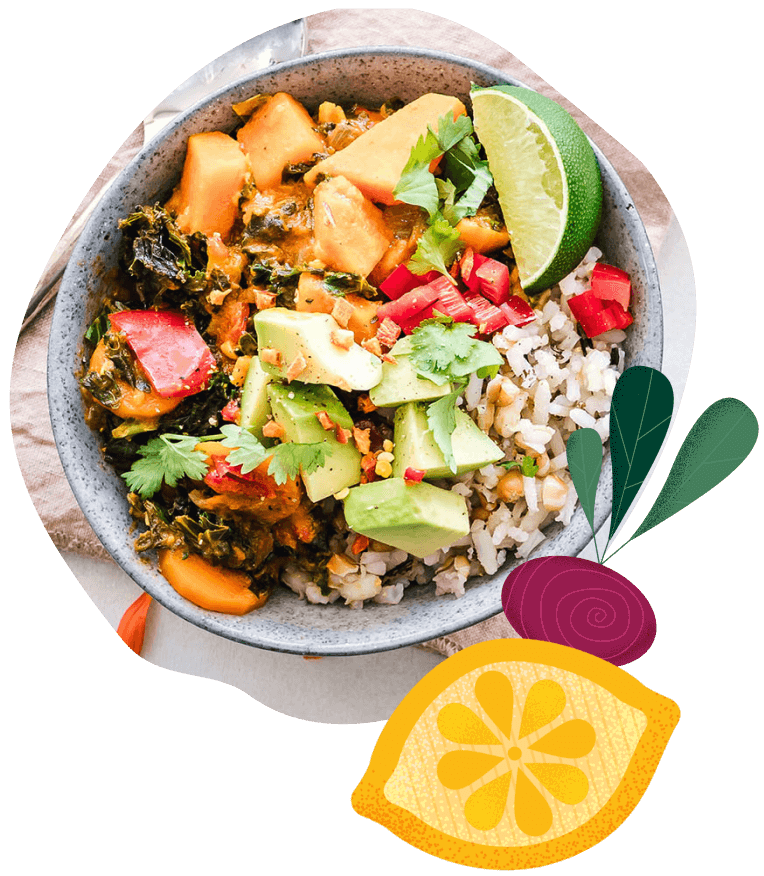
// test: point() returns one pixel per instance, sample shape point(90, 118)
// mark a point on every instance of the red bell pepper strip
point(594, 317)
point(493, 280)
point(402, 280)
point(469, 264)
point(170, 350)
point(485, 315)
point(409, 305)
point(452, 303)
point(611, 284)
point(517, 311)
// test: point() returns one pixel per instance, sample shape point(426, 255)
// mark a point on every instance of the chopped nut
point(554, 493)
point(342, 311)
point(485, 416)
point(264, 300)
point(462, 565)
point(343, 494)
point(217, 296)
point(272, 429)
point(362, 438)
point(342, 338)
point(226, 348)
point(373, 346)
point(493, 389)
point(544, 465)
point(326, 421)
point(388, 332)
point(342, 435)
point(387, 445)
point(296, 368)
point(271, 356)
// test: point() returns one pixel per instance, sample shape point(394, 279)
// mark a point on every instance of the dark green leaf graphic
point(643, 401)
point(584, 452)
point(718, 442)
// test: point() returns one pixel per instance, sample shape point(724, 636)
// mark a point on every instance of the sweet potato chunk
point(279, 133)
point(482, 233)
point(312, 295)
point(375, 160)
point(351, 234)
point(363, 321)
point(213, 175)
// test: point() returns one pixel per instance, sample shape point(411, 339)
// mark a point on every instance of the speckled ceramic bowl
point(287, 623)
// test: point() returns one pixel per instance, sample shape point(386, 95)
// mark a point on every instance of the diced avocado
point(415, 517)
point(255, 407)
point(295, 407)
point(400, 382)
point(415, 445)
point(289, 334)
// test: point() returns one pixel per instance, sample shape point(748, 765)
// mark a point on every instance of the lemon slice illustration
point(514, 754)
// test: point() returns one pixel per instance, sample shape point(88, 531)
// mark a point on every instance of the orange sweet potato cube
point(279, 133)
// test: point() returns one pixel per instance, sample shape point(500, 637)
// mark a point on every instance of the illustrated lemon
point(514, 754)
point(547, 179)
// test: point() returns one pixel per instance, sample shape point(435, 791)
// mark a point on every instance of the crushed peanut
point(271, 356)
point(264, 300)
point(342, 338)
point(373, 346)
point(272, 429)
point(342, 311)
point(326, 421)
point(296, 368)
point(362, 438)
point(239, 373)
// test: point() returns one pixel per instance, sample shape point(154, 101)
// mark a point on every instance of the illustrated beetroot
point(581, 604)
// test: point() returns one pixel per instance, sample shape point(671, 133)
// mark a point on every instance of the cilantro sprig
point(447, 199)
point(445, 351)
point(169, 458)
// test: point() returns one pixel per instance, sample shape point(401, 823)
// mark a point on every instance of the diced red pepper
point(468, 265)
point(594, 317)
point(237, 314)
point(517, 311)
point(485, 315)
point(611, 284)
point(231, 411)
point(402, 280)
point(452, 303)
point(413, 474)
point(493, 280)
point(409, 305)
point(169, 349)
point(360, 543)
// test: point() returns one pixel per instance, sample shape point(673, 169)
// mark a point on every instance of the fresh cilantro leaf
point(528, 466)
point(444, 351)
point(452, 130)
point(289, 459)
point(441, 418)
point(417, 185)
point(248, 452)
point(167, 458)
point(437, 248)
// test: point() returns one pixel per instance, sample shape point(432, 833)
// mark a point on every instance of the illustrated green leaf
point(720, 440)
point(640, 414)
point(584, 454)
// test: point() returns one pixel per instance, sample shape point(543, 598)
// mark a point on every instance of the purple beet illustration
point(586, 605)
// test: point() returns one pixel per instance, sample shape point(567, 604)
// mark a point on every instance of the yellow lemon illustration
point(514, 754)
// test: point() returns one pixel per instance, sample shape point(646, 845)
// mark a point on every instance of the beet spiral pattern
point(581, 604)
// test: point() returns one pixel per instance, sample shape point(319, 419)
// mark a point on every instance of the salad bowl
point(286, 623)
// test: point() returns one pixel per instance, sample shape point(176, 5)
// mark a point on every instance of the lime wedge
point(547, 178)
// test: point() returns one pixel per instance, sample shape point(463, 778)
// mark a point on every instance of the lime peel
point(547, 178)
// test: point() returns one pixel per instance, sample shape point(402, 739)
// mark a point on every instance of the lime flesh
point(547, 178)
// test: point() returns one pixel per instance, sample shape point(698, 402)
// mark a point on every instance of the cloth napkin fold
point(339, 28)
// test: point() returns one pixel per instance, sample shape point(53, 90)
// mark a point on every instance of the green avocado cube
point(400, 382)
point(294, 408)
point(255, 407)
point(329, 353)
point(415, 445)
point(416, 517)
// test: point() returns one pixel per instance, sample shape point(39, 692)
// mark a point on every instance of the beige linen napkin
point(339, 28)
